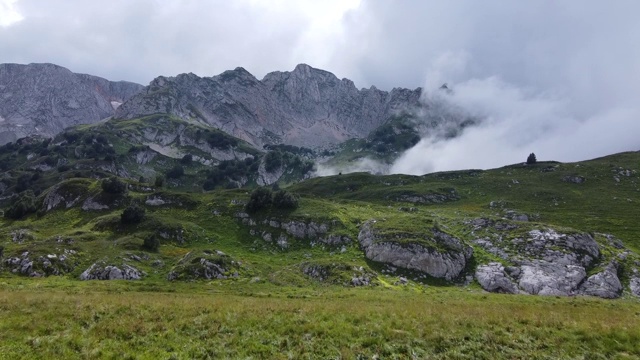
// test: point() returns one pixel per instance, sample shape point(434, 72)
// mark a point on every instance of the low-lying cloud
point(513, 122)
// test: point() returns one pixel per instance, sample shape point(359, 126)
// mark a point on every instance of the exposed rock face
point(604, 284)
point(43, 99)
point(110, 272)
point(445, 264)
point(493, 278)
point(305, 107)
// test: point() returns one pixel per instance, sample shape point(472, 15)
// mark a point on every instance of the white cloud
point(9, 13)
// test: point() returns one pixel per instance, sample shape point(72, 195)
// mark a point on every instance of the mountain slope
point(305, 107)
point(547, 229)
point(44, 99)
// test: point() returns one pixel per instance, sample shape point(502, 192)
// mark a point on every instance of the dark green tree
point(531, 159)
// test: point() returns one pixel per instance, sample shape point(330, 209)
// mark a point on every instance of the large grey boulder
point(540, 277)
point(604, 284)
point(439, 263)
point(492, 277)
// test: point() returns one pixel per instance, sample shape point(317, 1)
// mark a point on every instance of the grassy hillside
point(283, 279)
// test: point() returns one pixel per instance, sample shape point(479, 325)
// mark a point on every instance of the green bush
point(151, 243)
point(133, 214)
point(21, 205)
point(261, 198)
point(113, 185)
point(285, 200)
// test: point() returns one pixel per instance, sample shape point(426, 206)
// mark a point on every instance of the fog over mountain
point(560, 79)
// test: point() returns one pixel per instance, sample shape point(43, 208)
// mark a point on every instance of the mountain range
point(305, 107)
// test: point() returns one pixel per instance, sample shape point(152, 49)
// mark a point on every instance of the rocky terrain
point(44, 99)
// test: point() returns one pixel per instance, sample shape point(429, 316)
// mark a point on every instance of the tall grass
point(328, 324)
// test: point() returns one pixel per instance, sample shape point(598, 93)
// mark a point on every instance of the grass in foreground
point(322, 323)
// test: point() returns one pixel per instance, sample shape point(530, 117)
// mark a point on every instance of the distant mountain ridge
point(44, 99)
point(305, 107)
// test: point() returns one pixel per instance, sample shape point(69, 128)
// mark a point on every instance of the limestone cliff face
point(305, 107)
point(44, 99)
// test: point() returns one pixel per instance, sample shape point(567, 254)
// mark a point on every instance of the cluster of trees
point(264, 198)
point(230, 170)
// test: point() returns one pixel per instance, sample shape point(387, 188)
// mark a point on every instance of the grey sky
point(564, 67)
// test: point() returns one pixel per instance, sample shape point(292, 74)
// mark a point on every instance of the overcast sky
point(560, 78)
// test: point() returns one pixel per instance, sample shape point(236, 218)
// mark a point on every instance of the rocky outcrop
point(492, 277)
point(205, 265)
point(604, 284)
point(546, 262)
point(305, 107)
point(44, 99)
point(99, 271)
point(445, 262)
point(65, 195)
